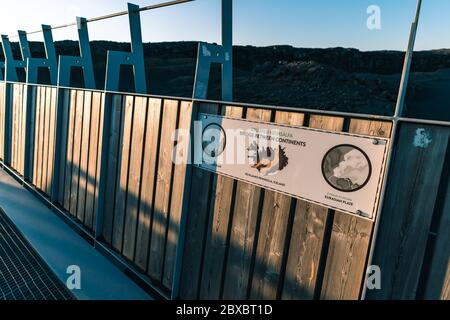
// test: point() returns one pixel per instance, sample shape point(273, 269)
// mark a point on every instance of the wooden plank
point(350, 237)
point(438, 284)
point(18, 128)
point(272, 235)
point(13, 128)
point(84, 157)
point(36, 170)
point(308, 232)
point(244, 225)
point(46, 125)
point(163, 189)
point(176, 203)
point(77, 142)
point(93, 159)
point(30, 132)
point(64, 142)
point(122, 183)
point(51, 142)
point(217, 233)
point(21, 131)
point(17, 110)
point(148, 183)
point(24, 129)
point(305, 250)
point(70, 140)
point(114, 141)
point(134, 177)
point(196, 222)
point(408, 209)
point(41, 138)
point(98, 162)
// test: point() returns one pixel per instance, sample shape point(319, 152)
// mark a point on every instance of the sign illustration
point(346, 168)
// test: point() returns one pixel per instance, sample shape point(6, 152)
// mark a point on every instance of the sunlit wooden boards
point(18, 128)
point(144, 185)
point(79, 176)
point(249, 243)
point(44, 138)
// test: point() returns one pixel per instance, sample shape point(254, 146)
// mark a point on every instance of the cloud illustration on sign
point(355, 167)
point(346, 168)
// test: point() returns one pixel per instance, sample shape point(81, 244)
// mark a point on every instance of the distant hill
point(335, 78)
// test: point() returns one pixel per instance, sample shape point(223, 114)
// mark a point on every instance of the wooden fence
point(241, 241)
point(79, 154)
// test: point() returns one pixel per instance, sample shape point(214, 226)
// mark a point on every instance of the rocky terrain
point(333, 79)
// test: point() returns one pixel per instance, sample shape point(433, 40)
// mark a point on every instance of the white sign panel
point(338, 170)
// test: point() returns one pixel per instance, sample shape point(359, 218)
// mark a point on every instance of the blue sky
point(301, 23)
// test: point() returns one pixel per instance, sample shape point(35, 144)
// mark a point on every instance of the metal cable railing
point(112, 15)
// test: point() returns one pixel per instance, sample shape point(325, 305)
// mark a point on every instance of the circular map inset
point(346, 168)
point(214, 140)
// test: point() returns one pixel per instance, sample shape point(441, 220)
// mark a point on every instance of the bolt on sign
point(341, 171)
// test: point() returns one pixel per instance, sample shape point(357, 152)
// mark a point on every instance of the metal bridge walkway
point(59, 246)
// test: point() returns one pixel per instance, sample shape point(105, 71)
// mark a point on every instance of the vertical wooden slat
point(22, 130)
point(51, 142)
point(114, 141)
point(307, 237)
point(148, 183)
point(102, 99)
point(134, 178)
point(13, 127)
point(17, 112)
point(41, 138)
point(305, 250)
point(408, 209)
point(217, 232)
point(20, 133)
point(122, 183)
point(179, 180)
point(196, 223)
point(243, 234)
point(350, 237)
point(91, 175)
point(37, 128)
point(163, 189)
point(77, 142)
point(64, 143)
point(70, 143)
point(274, 227)
point(84, 157)
point(46, 126)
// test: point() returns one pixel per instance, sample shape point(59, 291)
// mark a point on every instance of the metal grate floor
point(23, 273)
